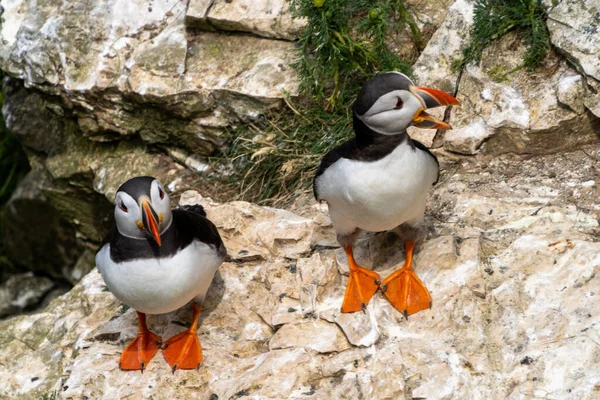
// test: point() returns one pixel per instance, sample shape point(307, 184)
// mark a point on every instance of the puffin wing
point(345, 150)
point(192, 224)
point(195, 208)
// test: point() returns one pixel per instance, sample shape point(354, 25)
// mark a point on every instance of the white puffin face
point(129, 212)
point(390, 102)
point(161, 203)
point(393, 112)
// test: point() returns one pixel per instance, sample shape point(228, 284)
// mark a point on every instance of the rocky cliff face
point(511, 259)
point(511, 256)
point(153, 85)
point(103, 91)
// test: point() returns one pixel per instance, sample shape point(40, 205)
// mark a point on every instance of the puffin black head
point(142, 209)
point(389, 103)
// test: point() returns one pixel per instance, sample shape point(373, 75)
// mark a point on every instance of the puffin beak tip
point(435, 97)
point(431, 98)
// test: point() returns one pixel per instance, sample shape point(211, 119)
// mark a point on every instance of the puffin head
point(390, 102)
point(142, 209)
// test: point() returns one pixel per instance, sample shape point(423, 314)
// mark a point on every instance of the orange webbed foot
point(141, 350)
point(362, 285)
point(183, 351)
point(404, 289)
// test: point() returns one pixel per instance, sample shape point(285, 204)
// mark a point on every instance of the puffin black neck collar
point(366, 136)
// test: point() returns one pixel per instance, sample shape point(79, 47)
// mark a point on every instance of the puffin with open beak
point(156, 260)
point(379, 180)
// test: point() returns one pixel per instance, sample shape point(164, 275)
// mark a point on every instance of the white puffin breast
point(161, 285)
point(378, 195)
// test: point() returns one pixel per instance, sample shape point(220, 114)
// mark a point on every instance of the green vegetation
point(13, 167)
point(48, 396)
point(275, 161)
point(343, 44)
point(493, 18)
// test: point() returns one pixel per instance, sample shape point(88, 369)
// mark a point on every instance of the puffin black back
point(195, 208)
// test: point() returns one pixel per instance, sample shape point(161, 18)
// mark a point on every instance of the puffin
point(157, 260)
point(378, 181)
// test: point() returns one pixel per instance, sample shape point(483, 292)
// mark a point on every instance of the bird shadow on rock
point(384, 251)
point(379, 251)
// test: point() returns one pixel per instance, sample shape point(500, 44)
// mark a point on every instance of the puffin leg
point(404, 289)
point(362, 285)
point(183, 351)
point(141, 350)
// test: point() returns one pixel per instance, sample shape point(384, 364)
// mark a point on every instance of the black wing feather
point(195, 208)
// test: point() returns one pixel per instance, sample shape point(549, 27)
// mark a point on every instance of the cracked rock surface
point(124, 68)
point(505, 108)
point(511, 258)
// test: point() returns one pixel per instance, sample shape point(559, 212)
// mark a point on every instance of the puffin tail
point(195, 208)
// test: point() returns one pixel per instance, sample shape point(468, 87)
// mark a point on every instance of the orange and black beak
point(150, 220)
point(430, 98)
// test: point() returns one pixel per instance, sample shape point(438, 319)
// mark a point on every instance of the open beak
point(430, 98)
point(150, 220)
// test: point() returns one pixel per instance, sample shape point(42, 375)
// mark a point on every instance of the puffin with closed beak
point(156, 260)
point(379, 180)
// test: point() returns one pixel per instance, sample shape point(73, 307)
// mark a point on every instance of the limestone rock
point(521, 111)
point(434, 66)
point(427, 15)
point(35, 236)
point(257, 232)
point(467, 139)
point(360, 328)
point(42, 133)
point(318, 335)
point(510, 260)
point(124, 70)
point(571, 92)
point(516, 111)
point(79, 175)
point(23, 292)
point(592, 103)
point(574, 27)
point(263, 18)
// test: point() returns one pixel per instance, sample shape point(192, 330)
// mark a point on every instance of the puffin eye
point(122, 207)
point(161, 193)
point(399, 103)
